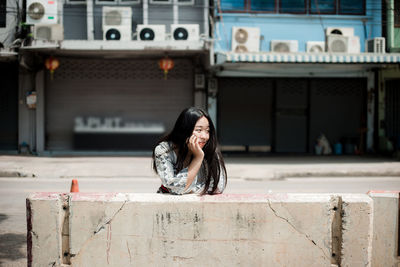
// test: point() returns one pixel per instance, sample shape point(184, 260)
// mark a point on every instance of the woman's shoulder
point(163, 147)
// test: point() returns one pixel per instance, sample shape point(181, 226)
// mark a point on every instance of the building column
point(370, 111)
point(40, 116)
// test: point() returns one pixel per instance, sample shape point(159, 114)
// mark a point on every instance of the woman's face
point(202, 131)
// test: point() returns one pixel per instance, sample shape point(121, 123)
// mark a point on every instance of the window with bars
point(335, 7)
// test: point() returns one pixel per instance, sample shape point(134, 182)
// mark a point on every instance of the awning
point(328, 58)
point(6, 56)
point(104, 45)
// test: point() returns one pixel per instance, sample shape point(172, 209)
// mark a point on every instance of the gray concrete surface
point(261, 168)
point(332, 174)
point(278, 229)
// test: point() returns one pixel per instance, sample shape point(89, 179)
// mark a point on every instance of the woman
point(188, 160)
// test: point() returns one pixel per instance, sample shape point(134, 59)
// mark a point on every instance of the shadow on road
point(12, 245)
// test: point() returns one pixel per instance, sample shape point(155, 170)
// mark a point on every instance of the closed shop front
point(392, 112)
point(245, 113)
point(289, 114)
point(110, 104)
point(9, 106)
point(338, 110)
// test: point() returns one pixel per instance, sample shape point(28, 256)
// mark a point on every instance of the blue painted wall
point(297, 27)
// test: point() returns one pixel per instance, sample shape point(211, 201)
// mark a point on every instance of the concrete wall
point(386, 226)
point(164, 230)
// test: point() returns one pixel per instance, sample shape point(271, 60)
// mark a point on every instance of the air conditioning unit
point(315, 47)
point(284, 46)
point(151, 32)
point(117, 23)
point(41, 12)
point(339, 31)
point(245, 39)
point(342, 44)
point(376, 45)
point(187, 32)
point(48, 32)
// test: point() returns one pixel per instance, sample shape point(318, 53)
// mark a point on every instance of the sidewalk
point(238, 167)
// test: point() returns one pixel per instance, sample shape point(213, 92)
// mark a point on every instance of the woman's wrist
point(199, 155)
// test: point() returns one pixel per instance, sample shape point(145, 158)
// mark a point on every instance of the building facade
point(388, 116)
point(87, 75)
point(10, 11)
point(289, 71)
point(109, 75)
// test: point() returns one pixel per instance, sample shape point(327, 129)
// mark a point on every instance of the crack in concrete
point(98, 230)
point(35, 234)
point(130, 257)
point(286, 220)
point(110, 220)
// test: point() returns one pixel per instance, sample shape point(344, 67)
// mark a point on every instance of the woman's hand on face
point(194, 147)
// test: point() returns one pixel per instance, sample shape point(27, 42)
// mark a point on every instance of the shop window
point(76, 2)
point(160, 2)
point(186, 2)
point(3, 15)
point(106, 2)
point(336, 7)
point(232, 5)
point(352, 7)
point(125, 2)
point(292, 6)
point(262, 5)
point(323, 6)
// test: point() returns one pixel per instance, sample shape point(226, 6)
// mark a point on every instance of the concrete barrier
point(164, 230)
point(385, 245)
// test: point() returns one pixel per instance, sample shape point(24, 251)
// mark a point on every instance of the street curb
point(15, 174)
point(283, 175)
point(277, 175)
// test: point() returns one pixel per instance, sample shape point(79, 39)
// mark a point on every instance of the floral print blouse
point(175, 182)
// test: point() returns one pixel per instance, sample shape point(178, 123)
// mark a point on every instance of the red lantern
point(166, 64)
point(51, 64)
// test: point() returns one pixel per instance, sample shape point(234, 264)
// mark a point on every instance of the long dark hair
point(182, 130)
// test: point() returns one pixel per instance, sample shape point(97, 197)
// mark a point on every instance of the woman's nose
point(203, 135)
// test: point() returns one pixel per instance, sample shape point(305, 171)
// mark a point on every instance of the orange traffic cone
point(74, 186)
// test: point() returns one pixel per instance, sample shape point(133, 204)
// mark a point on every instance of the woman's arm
point(177, 183)
point(195, 164)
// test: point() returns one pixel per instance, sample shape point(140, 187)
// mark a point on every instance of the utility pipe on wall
point(175, 12)
point(390, 23)
point(89, 19)
point(206, 16)
point(145, 12)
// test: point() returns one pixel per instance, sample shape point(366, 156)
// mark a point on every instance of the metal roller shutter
point(9, 106)
point(337, 109)
point(291, 115)
point(132, 90)
point(392, 111)
point(245, 113)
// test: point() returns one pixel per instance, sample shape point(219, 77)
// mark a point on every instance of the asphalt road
point(13, 192)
